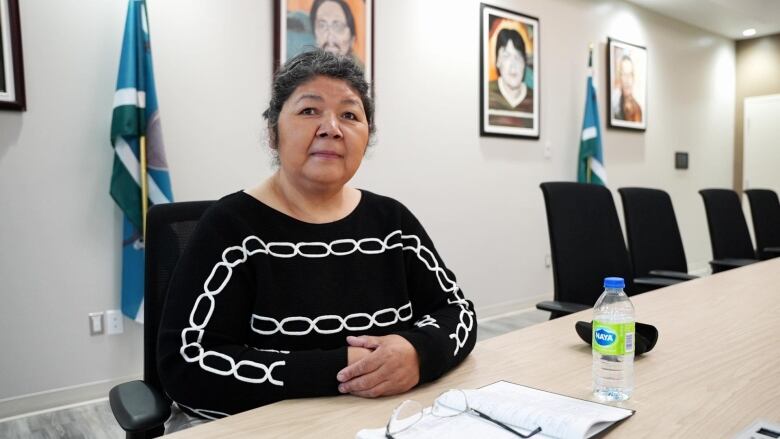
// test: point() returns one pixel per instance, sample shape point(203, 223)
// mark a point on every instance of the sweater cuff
point(432, 366)
point(314, 373)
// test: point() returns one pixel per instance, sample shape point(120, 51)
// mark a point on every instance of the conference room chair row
point(586, 240)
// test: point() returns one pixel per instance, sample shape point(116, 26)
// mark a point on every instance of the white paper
point(520, 407)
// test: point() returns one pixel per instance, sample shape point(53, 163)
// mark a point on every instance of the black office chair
point(654, 241)
point(586, 246)
point(141, 407)
point(729, 235)
point(765, 210)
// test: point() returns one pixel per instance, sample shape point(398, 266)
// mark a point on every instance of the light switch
point(95, 323)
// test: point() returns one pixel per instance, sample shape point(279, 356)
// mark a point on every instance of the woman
point(303, 286)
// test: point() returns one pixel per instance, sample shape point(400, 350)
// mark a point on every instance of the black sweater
point(260, 304)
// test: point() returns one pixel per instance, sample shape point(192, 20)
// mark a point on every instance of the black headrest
point(646, 335)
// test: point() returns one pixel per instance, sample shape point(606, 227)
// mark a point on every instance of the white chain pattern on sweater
point(343, 322)
point(427, 320)
point(192, 351)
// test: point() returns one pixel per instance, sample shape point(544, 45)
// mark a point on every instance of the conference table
point(714, 371)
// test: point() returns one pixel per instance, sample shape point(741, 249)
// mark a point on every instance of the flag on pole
point(138, 152)
point(590, 166)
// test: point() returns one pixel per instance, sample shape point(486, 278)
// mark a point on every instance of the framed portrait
point(508, 73)
point(11, 66)
point(627, 85)
point(344, 27)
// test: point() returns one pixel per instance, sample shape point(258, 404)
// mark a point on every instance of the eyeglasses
point(447, 405)
point(337, 27)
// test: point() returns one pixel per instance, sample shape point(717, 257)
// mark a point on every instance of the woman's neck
point(312, 205)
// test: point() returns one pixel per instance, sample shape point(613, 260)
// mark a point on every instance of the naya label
point(613, 338)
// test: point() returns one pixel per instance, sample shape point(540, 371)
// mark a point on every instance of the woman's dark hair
point(507, 35)
point(344, 7)
point(305, 67)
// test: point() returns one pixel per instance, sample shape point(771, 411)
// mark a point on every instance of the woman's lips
point(326, 154)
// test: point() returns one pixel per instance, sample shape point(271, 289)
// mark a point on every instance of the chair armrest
point(561, 308)
point(138, 407)
point(732, 262)
point(673, 274)
point(774, 251)
point(656, 281)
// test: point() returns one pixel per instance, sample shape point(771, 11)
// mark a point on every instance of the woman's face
point(510, 64)
point(323, 133)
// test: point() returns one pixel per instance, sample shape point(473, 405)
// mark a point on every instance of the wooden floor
point(95, 420)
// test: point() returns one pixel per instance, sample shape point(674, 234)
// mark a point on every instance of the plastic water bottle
point(613, 343)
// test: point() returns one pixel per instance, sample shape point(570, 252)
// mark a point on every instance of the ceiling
point(725, 17)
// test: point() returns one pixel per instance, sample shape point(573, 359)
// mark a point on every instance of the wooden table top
point(714, 370)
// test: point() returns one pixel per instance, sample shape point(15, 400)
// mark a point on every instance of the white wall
point(478, 197)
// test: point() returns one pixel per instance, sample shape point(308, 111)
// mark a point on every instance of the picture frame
point(12, 94)
point(345, 27)
point(509, 103)
point(626, 85)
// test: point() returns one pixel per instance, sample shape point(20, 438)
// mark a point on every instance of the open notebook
point(523, 408)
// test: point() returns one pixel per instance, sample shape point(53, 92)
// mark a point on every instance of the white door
point(761, 168)
point(761, 146)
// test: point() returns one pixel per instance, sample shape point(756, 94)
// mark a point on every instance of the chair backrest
point(585, 240)
point(168, 229)
point(654, 241)
point(765, 210)
point(729, 235)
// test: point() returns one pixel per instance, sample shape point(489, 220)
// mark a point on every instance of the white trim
point(761, 98)
point(5, 37)
point(54, 409)
point(589, 133)
point(129, 96)
point(598, 169)
point(510, 113)
point(128, 159)
point(55, 399)
point(139, 316)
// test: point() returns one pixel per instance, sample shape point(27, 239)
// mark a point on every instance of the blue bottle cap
point(614, 282)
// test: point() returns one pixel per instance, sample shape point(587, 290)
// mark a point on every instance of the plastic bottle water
point(613, 343)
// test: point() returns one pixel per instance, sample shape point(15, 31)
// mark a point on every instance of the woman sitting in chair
point(303, 286)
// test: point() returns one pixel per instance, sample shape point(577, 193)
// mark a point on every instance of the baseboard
point(50, 399)
point(509, 307)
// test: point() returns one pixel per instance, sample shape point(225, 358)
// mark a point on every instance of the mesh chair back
point(585, 240)
point(765, 210)
point(654, 241)
point(729, 234)
point(168, 229)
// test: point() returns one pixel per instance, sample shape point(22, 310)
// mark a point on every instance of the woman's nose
point(330, 127)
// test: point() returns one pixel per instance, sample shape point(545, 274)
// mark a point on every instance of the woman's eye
point(308, 111)
point(350, 116)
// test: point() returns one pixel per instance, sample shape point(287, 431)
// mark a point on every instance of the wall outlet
point(95, 323)
point(114, 323)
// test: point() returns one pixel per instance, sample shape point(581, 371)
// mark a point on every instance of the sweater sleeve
point(204, 359)
point(445, 328)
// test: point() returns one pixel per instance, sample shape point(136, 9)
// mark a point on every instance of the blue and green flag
point(135, 115)
point(590, 166)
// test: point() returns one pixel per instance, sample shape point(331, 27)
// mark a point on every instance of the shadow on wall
point(10, 128)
